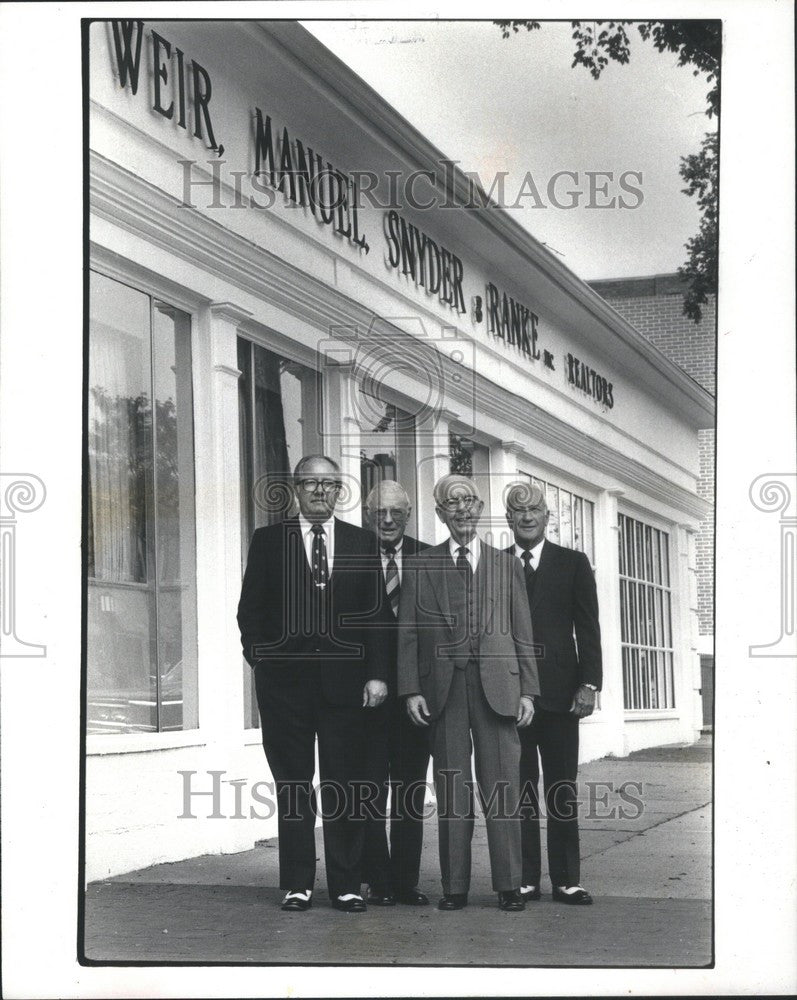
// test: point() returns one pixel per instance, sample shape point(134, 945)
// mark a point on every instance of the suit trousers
point(398, 758)
point(497, 757)
point(551, 738)
point(293, 710)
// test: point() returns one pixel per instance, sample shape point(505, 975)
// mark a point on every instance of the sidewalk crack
point(641, 833)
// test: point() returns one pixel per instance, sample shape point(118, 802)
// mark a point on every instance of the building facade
point(280, 264)
point(654, 305)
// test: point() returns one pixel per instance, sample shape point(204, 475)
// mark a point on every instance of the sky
point(517, 106)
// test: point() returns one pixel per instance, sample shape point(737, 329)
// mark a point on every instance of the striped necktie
point(392, 582)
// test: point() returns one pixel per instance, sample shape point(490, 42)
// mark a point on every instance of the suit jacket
point(410, 547)
point(278, 613)
point(432, 643)
point(564, 615)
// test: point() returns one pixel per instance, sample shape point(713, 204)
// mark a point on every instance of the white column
point(504, 461)
point(342, 434)
point(433, 463)
point(687, 660)
point(607, 577)
point(219, 523)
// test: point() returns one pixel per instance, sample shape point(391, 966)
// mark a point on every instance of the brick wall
point(654, 305)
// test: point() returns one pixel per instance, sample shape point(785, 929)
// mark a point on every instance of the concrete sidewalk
point(646, 848)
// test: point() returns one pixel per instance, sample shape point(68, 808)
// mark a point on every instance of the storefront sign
point(169, 81)
point(287, 164)
point(512, 321)
point(587, 379)
point(437, 270)
point(295, 169)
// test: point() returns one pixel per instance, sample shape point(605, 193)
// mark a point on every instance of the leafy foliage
point(697, 44)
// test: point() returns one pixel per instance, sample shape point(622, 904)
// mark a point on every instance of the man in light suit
point(398, 751)
point(312, 616)
point(466, 667)
point(563, 602)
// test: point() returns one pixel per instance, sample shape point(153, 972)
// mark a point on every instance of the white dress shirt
point(397, 558)
point(535, 553)
point(329, 540)
point(474, 547)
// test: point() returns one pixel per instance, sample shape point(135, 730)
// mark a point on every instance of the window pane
point(246, 446)
point(280, 407)
point(630, 561)
point(121, 610)
point(552, 497)
point(639, 551)
point(578, 524)
point(626, 654)
point(648, 553)
point(656, 556)
point(645, 615)
point(566, 525)
point(387, 449)
point(175, 556)
point(141, 642)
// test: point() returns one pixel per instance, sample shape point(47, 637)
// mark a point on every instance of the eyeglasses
point(311, 485)
point(527, 510)
point(452, 503)
point(396, 513)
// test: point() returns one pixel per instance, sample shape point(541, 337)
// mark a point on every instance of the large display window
point(141, 647)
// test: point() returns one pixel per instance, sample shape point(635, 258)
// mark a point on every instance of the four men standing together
point(387, 650)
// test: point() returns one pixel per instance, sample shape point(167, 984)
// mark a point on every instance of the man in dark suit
point(467, 670)
point(398, 751)
point(311, 598)
point(564, 612)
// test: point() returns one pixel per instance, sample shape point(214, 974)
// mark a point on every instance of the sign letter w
point(126, 62)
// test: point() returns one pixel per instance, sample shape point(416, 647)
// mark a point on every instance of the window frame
point(107, 264)
point(646, 615)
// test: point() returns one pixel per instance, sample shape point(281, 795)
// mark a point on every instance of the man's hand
point(526, 711)
point(374, 693)
point(418, 710)
point(584, 702)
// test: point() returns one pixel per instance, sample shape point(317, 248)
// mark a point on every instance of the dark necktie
point(528, 569)
point(319, 557)
point(392, 583)
point(463, 565)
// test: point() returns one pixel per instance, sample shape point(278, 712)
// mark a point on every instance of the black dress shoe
point(578, 898)
point(453, 901)
point(530, 895)
point(412, 897)
point(297, 901)
point(355, 904)
point(511, 901)
point(377, 898)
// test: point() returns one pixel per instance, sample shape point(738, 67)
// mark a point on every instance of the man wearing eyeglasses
point(398, 751)
point(312, 616)
point(563, 602)
point(466, 667)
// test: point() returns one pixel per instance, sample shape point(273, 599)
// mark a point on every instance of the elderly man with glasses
point(398, 751)
point(312, 616)
point(563, 603)
point(466, 667)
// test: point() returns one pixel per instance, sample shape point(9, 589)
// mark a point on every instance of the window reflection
point(141, 647)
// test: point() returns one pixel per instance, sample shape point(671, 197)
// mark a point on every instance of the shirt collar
point(398, 547)
point(536, 551)
point(473, 546)
point(307, 526)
